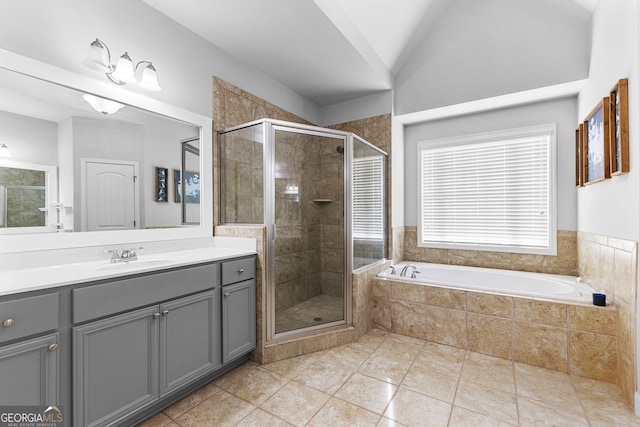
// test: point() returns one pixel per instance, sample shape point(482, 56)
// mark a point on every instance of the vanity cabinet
point(238, 308)
point(127, 362)
point(30, 367)
point(28, 362)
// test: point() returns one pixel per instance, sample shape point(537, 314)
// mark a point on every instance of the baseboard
point(636, 403)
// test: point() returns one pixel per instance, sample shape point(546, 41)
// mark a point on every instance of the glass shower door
point(309, 229)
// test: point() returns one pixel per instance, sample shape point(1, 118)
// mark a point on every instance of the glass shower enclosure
point(320, 193)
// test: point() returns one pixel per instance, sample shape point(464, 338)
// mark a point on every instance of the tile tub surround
point(566, 262)
point(610, 264)
point(577, 339)
point(385, 379)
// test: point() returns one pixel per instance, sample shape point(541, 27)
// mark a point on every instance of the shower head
point(340, 149)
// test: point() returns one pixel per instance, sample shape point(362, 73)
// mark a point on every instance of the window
point(491, 192)
point(368, 200)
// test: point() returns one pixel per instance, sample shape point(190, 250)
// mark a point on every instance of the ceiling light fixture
point(99, 59)
point(4, 151)
point(102, 105)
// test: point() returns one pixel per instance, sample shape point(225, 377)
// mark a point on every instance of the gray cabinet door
point(115, 366)
point(189, 343)
point(29, 372)
point(238, 319)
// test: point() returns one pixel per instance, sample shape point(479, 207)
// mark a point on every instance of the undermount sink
point(132, 265)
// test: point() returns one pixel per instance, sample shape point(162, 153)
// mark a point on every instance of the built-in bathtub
point(507, 282)
point(539, 319)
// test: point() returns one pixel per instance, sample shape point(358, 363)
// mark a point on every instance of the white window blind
point(368, 198)
point(489, 193)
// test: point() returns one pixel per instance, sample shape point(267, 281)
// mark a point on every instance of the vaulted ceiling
point(328, 51)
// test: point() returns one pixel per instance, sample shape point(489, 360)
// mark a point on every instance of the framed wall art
point(596, 166)
point(579, 155)
point(162, 182)
point(619, 128)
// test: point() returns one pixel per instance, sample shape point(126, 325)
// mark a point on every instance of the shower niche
point(320, 193)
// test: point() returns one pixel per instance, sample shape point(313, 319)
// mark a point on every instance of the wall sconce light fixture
point(4, 151)
point(99, 59)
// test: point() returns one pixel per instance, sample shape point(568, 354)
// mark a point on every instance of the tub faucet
point(403, 273)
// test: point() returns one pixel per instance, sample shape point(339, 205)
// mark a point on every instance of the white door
point(110, 196)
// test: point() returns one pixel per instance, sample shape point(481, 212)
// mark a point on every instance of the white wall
point(480, 49)
point(611, 208)
point(355, 109)
point(29, 140)
point(59, 33)
point(561, 111)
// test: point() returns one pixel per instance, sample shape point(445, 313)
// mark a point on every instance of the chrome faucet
point(403, 273)
point(125, 256)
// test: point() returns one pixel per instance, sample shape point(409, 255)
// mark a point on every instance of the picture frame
point(619, 127)
point(162, 180)
point(596, 166)
point(579, 133)
point(191, 186)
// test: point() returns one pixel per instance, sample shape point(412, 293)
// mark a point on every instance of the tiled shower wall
point(233, 106)
point(610, 265)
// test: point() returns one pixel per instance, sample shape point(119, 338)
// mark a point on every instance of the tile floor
point(391, 380)
point(314, 311)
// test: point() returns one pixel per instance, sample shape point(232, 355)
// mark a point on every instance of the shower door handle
point(274, 231)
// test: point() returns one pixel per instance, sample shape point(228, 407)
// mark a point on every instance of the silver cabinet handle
point(53, 347)
point(226, 294)
point(165, 313)
point(8, 323)
point(156, 315)
point(241, 271)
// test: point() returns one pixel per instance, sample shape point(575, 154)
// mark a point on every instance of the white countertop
point(36, 277)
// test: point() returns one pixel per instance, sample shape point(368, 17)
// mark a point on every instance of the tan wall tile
point(603, 320)
point(446, 326)
point(539, 345)
point(409, 292)
point(593, 355)
point(381, 288)
point(626, 330)
point(489, 335)
point(408, 319)
point(495, 305)
point(625, 278)
point(544, 312)
point(445, 297)
point(626, 378)
point(381, 313)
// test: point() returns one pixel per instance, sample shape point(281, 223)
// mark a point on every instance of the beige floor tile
point(221, 409)
point(370, 341)
point(534, 413)
point(323, 376)
point(385, 369)
point(339, 413)
point(370, 393)
point(158, 420)
point(488, 401)
point(251, 383)
point(603, 410)
point(409, 340)
point(546, 385)
point(394, 348)
point(289, 368)
point(587, 387)
point(386, 422)
point(415, 409)
point(441, 358)
point(191, 400)
point(260, 418)
point(490, 371)
point(295, 403)
point(461, 417)
point(431, 383)
point(346, 357)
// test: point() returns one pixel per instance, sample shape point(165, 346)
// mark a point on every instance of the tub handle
point(413, 274)
point(393, 269)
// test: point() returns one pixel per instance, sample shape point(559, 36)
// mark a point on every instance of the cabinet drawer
point(114, 297)
point(238, 270)
point(28, 316)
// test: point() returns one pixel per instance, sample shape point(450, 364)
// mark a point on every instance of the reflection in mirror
point(190, 185)
point(104, 163)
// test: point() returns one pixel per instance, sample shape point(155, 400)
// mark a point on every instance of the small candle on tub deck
point(599, 299)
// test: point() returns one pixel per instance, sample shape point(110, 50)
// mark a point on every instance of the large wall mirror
point(69, 165)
